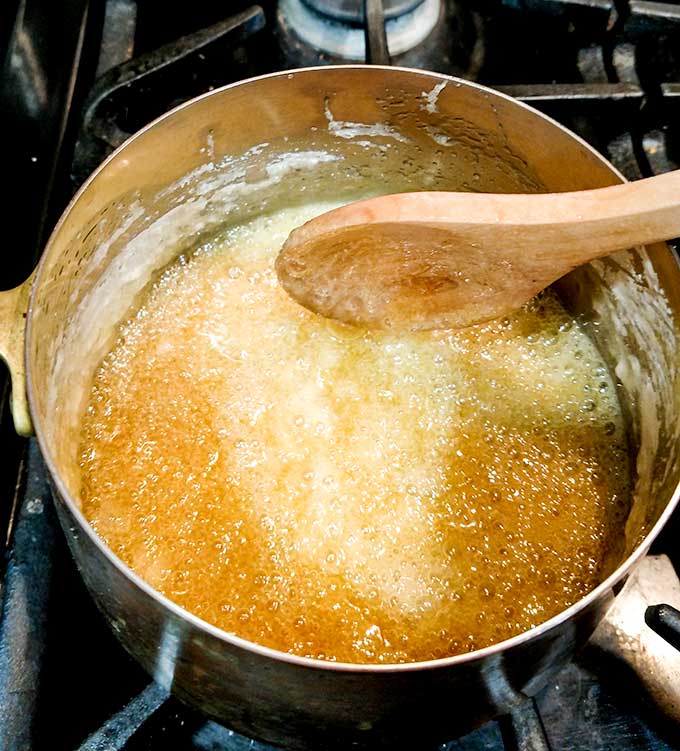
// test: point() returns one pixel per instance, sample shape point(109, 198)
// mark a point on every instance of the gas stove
point(77, 80)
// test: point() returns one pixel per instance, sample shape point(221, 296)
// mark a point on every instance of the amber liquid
point(343, 494)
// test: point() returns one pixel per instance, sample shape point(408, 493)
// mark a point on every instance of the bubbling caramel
point(349, 495)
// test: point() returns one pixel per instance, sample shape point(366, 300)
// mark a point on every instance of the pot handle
point(13, 311)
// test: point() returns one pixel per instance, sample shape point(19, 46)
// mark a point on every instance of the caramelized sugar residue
point(347, 495)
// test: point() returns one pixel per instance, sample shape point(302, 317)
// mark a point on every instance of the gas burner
point(353, 10)
point(332, 30)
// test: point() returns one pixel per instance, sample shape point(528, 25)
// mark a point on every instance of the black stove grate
point(608, 69)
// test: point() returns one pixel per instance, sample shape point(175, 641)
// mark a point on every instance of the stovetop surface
point(609, 70)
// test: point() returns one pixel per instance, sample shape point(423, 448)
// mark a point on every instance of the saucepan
point(266, 143)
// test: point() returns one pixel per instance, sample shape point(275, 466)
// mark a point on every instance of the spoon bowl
point(449, 260)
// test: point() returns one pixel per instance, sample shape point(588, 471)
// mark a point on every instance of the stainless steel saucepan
point(273, 141)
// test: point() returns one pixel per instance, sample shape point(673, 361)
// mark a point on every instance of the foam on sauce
point(343, 494)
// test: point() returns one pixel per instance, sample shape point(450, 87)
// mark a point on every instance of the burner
point(440, 35)
point(335, 28)
point(353, 10)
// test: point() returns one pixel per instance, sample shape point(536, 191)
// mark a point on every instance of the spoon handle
point(593, 223)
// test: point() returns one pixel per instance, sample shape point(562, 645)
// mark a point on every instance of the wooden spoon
point(448, 260)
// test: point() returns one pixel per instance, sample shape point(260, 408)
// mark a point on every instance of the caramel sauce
point(343, 494)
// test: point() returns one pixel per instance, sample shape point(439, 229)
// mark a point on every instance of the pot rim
point(225, 636)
